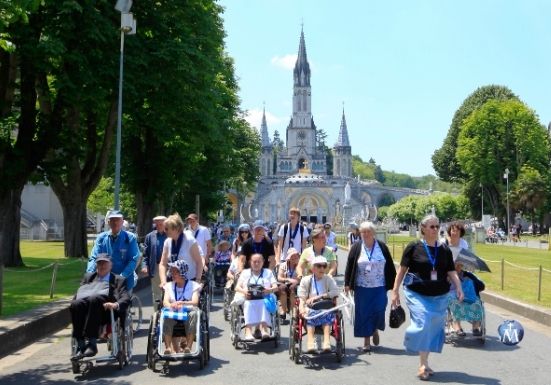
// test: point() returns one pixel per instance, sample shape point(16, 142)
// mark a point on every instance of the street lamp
point(128, 27)
point(481, 202)
point(506, 176)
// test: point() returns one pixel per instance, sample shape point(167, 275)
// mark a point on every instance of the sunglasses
point(243, 232)
point(433, 227)
point(321, 266)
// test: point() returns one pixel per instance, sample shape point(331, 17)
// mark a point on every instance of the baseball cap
point(244, 227)
point(160, 218)
point(103, 257)
point(258, 223)
point(114, 214)
point(319, 260)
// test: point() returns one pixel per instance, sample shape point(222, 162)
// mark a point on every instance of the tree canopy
point(444, 159)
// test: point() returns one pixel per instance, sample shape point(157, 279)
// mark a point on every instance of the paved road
point(493, 363)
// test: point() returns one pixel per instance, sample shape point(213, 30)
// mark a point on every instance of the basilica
point(299, 174)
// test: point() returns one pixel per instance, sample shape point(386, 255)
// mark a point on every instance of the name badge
point(368, 267)
point(433, 275)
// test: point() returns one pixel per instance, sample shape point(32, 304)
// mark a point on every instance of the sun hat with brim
point(223, 243)
point(103, 257)
point(292, 251)
point(159, 218)
point(319, 260)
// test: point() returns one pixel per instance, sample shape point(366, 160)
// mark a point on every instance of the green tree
point(379, 174)
point(500, 134)
point(29, 121)
point(444, 159)
point(386, 199)
point(530, 193)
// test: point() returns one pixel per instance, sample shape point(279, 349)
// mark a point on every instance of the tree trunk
point(145, 215)
point(74, 226)
point(10, 221)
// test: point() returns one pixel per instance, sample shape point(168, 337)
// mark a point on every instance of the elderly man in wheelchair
point(316, 293)
point(179, 294)
point(99, 293)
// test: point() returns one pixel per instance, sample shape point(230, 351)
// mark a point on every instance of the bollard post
point(502, 272)
point(54, 275)
point(539, 283)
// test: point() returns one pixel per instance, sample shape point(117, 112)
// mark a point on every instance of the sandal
point(460, 333)
point(366, 349)
point(423, 374)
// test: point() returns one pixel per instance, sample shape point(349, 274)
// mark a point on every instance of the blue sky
point(402, 68)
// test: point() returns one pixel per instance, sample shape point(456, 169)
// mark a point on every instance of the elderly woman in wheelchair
point(317, 292)
point(471, 309)
point(180, 294)
point(255, 283)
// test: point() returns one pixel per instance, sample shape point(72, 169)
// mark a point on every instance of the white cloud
point(286, 61)
point(254, 117)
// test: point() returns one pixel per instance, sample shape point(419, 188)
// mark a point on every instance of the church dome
point(304, 178)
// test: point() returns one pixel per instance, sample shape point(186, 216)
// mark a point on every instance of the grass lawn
point(29, 286)
point(521, 269)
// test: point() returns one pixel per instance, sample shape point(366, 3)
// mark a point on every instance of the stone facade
point(301, 177)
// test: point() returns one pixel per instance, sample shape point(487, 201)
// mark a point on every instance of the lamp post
point(481, 202)
point(128, 27)
point(506, 176)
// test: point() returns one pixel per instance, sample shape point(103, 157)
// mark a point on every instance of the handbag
point(94, 288)
point(396, 317)
point(322, 304)
point(256, 291)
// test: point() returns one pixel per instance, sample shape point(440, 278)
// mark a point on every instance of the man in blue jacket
point(154, 242)
point(121, 246)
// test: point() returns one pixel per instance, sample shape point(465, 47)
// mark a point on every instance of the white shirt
point(188, 290)
point(296, 243)
point(184, 253)
point(202, 235)
point(266, 278)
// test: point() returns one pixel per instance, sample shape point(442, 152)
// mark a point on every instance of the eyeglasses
point(321, 266)
point(433, 227)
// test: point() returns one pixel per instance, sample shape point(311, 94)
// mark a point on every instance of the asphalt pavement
point(470, 362)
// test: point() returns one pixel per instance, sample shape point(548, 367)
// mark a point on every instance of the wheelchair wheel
point(235, 327)
point(128, 338)
point(75, 366)
point(152, 340)
point(339, 323)
point(136, 313)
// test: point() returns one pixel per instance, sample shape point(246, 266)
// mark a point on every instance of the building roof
point(342, 140)
point(302, 67)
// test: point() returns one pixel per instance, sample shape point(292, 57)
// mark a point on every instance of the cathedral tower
point(342, 152)
point(266, 155)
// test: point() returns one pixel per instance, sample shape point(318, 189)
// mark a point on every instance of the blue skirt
point(369, 313)
point(326, 319)
point(428, 319)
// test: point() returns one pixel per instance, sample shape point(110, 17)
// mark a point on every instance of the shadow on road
point(105, 374)
point(462, 378)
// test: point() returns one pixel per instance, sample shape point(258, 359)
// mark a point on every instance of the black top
point(266, 248)
point(352, 264)
point(415, 258)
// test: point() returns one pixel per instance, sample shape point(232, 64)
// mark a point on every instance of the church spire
point(264, 130)
point(302, 67)
point(343, 133)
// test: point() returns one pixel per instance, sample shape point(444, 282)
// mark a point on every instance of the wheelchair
point(119, 341)
point(237, 323)
point(297, 329)
point(155, 350)
point(229, 293)
point(453, 338)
